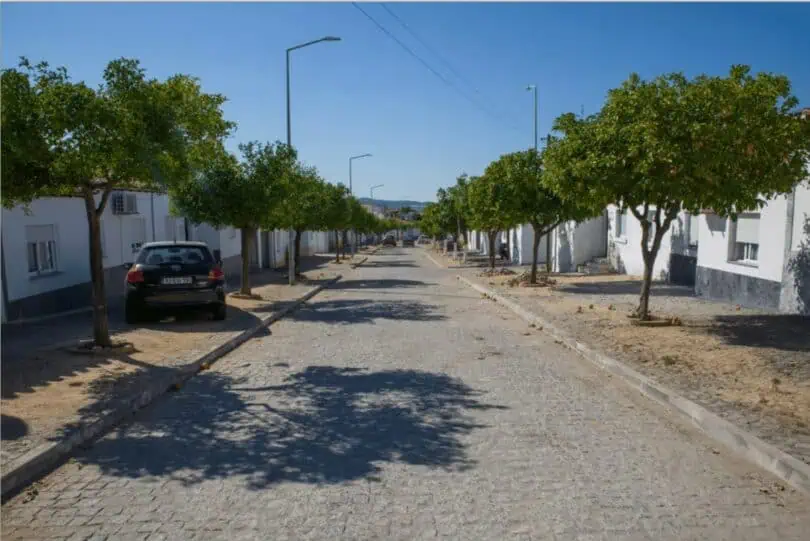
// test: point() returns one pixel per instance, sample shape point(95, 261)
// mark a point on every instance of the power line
point(426, 65)
point(441, 59)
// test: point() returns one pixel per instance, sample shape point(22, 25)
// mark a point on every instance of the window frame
point(747, 247)
point(45, 253)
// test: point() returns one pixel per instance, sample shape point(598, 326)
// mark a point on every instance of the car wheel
point(220, 312)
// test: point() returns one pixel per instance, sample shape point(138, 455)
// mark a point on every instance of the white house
point(763, 259)
point(45, 263)
point(676, 258)
point(572, 244)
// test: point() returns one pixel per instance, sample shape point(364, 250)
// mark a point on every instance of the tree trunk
point(535, 247)
point(246, 234)
point(101, 329)
point(649, 255)
point(644, 300)
point(345, 241)
point(297, 252)
point(337, 246)
point(491, 240)
point(548, 251)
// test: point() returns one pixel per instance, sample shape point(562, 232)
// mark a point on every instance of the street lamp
point(351, 191)
point(534, 88)
point(372, 192)
point(291, 250)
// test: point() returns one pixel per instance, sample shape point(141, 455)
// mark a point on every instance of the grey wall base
point(739, 289)
point(69, 298)
point(79, 296)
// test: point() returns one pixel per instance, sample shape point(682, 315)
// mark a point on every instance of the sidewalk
point(750, 367)
point(48, 392)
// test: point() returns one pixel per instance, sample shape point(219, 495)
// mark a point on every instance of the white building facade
point(763, 259)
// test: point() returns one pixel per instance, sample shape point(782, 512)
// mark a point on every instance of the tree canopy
point(65, 138)
point(670, 144)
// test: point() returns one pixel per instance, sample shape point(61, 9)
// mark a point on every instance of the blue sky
point(365, 94)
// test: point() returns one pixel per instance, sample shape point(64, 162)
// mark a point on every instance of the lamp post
point(351, 191)
point(548, 235)
point(291, 249)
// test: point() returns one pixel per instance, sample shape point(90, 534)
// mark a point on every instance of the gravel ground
point(401, 405)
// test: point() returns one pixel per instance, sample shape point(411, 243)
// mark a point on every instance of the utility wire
point(428, 66)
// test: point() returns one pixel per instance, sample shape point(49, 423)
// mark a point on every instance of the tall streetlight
point(289, 139)
point(534, 89)
point(351, 191)
point(548, 235)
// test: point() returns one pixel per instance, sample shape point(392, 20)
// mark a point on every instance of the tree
point(65, 138)
point(536, 204)
point(658, 147)
point(336, 213)
point(459, 206)
point(242, 195)
point(301, 207)
point(429, 223)
point(492, 205)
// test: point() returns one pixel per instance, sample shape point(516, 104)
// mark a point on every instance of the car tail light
point(134, 276)
point(216, 274)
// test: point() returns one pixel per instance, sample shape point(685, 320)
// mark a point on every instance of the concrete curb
point(42, 458)
point(437, 263)
point(355, 265)
point(768, 457)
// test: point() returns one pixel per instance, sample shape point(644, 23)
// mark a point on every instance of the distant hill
point(393, 204)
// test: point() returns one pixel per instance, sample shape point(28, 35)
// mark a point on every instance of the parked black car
point(172, 275)
point(408, 241)
point(389, 240)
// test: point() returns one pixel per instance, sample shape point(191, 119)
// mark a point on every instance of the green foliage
point(243, 195)
point(534, 202)
point(65, 138)
point(304, 198)
point(658, 147)
point(493, 205)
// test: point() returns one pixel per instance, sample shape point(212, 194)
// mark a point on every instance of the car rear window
point(185, 255)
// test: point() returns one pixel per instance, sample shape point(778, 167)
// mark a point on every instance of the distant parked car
point(389, 240)
point(423, 239)
point(171, 275)
point(408, 241)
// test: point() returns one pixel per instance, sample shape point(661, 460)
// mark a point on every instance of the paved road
point(401, 405)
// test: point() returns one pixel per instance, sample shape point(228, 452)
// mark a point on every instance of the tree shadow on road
point(324, 424)
point(388, 283)
point(352, 311)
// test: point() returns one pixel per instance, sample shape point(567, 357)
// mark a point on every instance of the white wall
point(713, 247)
point(801, 212)
point(625, 251)
point(69, 218)
point(72, 246)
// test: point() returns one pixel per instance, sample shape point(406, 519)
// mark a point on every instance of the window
point(621, 222)
point(651, 219)
point(745, 238)
point(694, 227)
point(41, 247)
point(173, 254)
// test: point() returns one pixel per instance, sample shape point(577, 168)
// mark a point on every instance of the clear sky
point(365, 94)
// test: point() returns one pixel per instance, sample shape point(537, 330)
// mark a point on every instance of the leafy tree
point(337, 212)
point(535, 203)
point(242, 195)
point(459, 208)
point(63, 138)
point(658, 147)
point(492, 205)
point(302, 205)
point(429, 223)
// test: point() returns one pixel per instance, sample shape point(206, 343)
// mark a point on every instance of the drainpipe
point(152, 212)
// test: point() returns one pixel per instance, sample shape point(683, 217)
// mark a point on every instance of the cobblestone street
point(400, 404)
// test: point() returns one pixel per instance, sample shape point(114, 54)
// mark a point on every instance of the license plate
point(176, 280)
